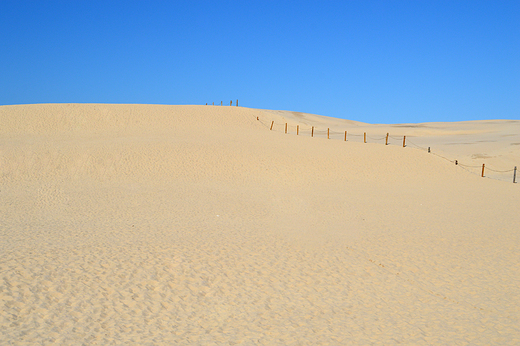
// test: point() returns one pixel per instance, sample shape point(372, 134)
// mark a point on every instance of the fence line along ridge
point(313, 131)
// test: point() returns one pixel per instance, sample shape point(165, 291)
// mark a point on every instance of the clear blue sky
point(372, 61)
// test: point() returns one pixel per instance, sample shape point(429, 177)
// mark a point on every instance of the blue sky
point(371, 61)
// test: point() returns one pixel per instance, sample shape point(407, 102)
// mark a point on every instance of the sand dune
point(472, 143)
point(140, 224)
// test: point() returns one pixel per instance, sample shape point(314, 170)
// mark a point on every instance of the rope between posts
point(376, 139)
point(467, 170)
point(263, 123)
point(509, 170)
point(313, 131)
point(415, 145)
point(442, 157)
point(469, 166)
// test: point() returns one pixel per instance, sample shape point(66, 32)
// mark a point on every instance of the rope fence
point(312, 131)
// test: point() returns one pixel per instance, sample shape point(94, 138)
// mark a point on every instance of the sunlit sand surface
point(143, 224)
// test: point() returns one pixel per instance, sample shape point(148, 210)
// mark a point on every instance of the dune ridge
point(136, 224)
point(470, 143)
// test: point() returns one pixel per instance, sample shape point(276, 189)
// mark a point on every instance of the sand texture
point(197, 225)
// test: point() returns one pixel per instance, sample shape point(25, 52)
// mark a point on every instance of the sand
point(148, 224)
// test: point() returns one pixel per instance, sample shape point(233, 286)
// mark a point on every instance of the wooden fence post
point(514, 176)
point(230, 103)
point(272, 123)
point(297, 130)
point(428, 149)
point(221, 103)
point(483, 165)
point(312, 132)
point(286, 128)
point(237, 102)
point(328, 133)
point(345, 136)
point(365, 137)
point(404, 141)
point(386, 143)
point(213, 103)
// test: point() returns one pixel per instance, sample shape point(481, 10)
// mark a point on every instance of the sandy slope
point(136, 224)
point(472, 143)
